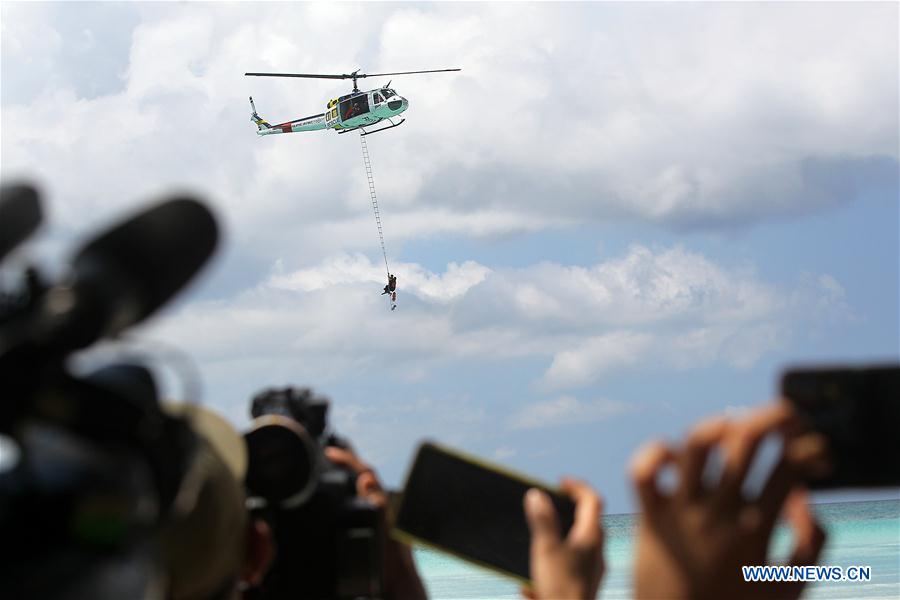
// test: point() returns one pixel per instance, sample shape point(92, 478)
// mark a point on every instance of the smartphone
point(858, 411)
point(472, 509)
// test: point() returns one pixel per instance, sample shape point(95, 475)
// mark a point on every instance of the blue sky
point(615, 220)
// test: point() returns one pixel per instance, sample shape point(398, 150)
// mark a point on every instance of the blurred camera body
point(327, 538)
point(99, 463)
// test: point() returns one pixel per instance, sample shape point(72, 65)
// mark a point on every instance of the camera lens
point(282, 461)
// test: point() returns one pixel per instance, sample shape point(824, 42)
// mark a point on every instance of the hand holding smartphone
point(472, 509)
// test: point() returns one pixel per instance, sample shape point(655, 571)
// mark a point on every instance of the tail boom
point(263, 127)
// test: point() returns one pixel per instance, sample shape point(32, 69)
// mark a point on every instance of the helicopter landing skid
point(391, 126)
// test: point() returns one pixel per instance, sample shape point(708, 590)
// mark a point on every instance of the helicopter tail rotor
point(261, 124)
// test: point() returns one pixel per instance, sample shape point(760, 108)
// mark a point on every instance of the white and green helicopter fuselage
point(343, 114)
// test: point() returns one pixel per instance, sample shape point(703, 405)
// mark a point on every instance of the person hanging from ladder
point(391, 287)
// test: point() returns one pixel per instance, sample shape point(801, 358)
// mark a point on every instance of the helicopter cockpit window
point(387, 93)
point(353, 107)
point(377, 97)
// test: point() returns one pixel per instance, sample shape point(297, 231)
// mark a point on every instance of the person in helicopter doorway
point(391, 286)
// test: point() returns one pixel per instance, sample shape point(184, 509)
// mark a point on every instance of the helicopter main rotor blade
point(407, 72)
point(353, 75)
point(307, 75)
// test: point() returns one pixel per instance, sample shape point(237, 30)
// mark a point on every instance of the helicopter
point(350, 112)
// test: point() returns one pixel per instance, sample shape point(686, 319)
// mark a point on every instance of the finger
point(645, 467)
point(810, 539)
point(346, 458)
point(369, 488)
point(542, 521)
point(800, 457)
point(343, 457)
point(798, 423)
point(588, 508)
point(772, 496)
point(367, 483)
point(527, 593)
point(808, 533)
point(809, 455)
point(695, 454)
point(743, 441)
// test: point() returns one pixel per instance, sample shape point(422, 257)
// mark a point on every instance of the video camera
point(328, 539)
point(98, 464)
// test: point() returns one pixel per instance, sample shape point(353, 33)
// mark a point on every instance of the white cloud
point(641, 288)
point(596, 356)
point(565, 410)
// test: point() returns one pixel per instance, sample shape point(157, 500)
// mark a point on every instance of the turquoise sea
point(859, 533)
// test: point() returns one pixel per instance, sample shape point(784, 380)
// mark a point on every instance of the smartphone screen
point(858, 411)
point(472, 509)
